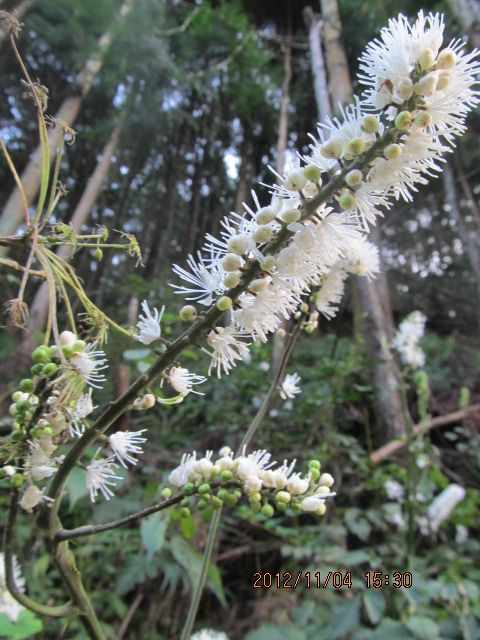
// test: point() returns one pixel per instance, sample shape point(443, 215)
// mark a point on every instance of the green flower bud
point(17, 396)
point(265, 215)
point(185, 502)
point(41, 354)
point(67, 352)
point(232, 262)
point(403, 120)
point(355, 147)
point(443, 80)
point(202, 504)
point(267, 510)
point(222, 494)
point(166, 493)
point(392, 151)
point(321, 510)
point(232, 279)
point(295, 180)
point(304, 307)
point(283, 496)
point(426, 59)
point(231, 500)
point(312, 173)
point(22, 405)
point(309, 328)
point(79, 345)
point(17, 435)
point(314, 464)
point(185, 512)
point(224, 303)
point(12, 410)
point(216, 503)
point(268, 263)
point(226, 475)
point(347, 200)
point(332, 149)
point(291, 215)
point(53, 351)
point(255, 496)
point(423, 119)
point(405, 88)
point(204, 488)
point(98, 254)
point(26, 385)
point(370, 124)
point(263, 234)
point(188, 488)
point(237, 493)
point(188, 313)
point(354, 178)
point(41, 432)
point(446, 59)
point(37, 369)
point(50, 369)
point(281, 506)
point(314, 473)
point(16, 480)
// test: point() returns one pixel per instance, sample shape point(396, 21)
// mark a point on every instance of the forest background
point(179, 108)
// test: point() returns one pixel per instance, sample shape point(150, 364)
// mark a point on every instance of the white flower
point(148, 325)
point(312, 503)
point(331, 291)
point(183, 381)
point(209, 634)
point(181, 474)
point(227, 349)
point(207, 279)
point(297, 485)
point(444, 504)
point(406, 340)
point(38, 463)
point(100, 477)
point(83, 408)
point(289, 388)
point(89, 363)
point(361, 257)
point(32, 496)
point(124, 445)
point(461, 534)
point(252, 464)
point(394, 490)
point(8, 605)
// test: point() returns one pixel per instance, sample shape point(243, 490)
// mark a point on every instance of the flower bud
point(304, 307)
point(265, 215)
point(67, 339)
point(405, 89)
point(188, 313)
point(291, 215)
point(426, 59)
point(144, 402)
point(222, 494)
point(16, 480)
point(232, 500)
point(295, 180)
point(257, 285)
point(332, 149)
point(202, 504)
point(281, 333)
point(166, 493)
point(355, 147)
point(314, 473)
point(422, 119)
point(370, 124)
point(426, 86)
point(403, 120)
point(321, 509)
point(268, 263)
point(263, 234)
point(98, 254)
point(347, 200)
point(216, 503)
point(185, 512)
point(267, 510)
point(309, 328)
point(283, 496)
point(326, 479)
point(37, 369)
point(240, 244)
point(312, 173)
point(79, 345)
point(41, 355)
point(50, 369)
point(443, 80)
point(232, 262)
point(232, 279)
point(226, 475)
point(446, 59)
point(392, 151)
point(26, 385)
point(314, 464)
point(354, 178)
point(224, 303)
point(19, 395)
point(204, 488)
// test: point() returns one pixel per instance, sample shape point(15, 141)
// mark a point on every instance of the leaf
point(423, 628)
point(76, 487)
point(188, 527)
point(152, 531)
point(345, 617)
point(275, 632)
point(375, 605)
point(26, 625)
point(391, 629)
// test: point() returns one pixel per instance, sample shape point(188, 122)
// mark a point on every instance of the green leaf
point(345, 617)
point(76, 487)
point(274, 632)
point(152, 531)
point(26, 625)
point(375, 605)
point(423, 628)
point(188, 527)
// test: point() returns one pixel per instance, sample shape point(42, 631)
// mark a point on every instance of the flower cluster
point(409, 334)
point(266, 484)
point(312, 234)
point(49, 410)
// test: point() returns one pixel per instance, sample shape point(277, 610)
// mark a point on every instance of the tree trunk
point(340, 85)
point(39, 306)
point(278, 340)
point(469, 241)
point(320, 84)
point(12, 214)
point(18, 14)
point(468, 13)
point(371, 300)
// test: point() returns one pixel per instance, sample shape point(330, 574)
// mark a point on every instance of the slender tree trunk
point(39, 306)
point(320, 84)
point(468, 13)
point(467, 191)
point(12, 214)
point(278, 340)
point(469, 240)
point(372, 310)
point(18, 13)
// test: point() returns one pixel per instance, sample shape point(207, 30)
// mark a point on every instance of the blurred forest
point(178, 108)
